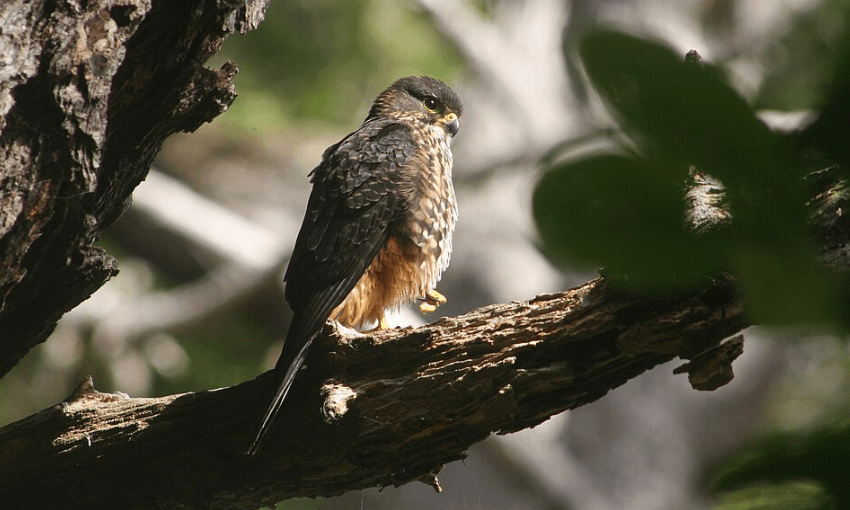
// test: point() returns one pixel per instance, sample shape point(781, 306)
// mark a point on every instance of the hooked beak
point(451, 124)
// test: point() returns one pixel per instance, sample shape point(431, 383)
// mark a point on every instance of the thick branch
point(370, 410)
point(385, 408)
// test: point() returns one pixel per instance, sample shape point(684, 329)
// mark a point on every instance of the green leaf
point(821, 455)
point(787, 287)
point(686, 109)
point(787, 496)
point(620, 212)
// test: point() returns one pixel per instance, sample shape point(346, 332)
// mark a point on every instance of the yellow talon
point(382, 324)
point(433, 295)
point(431, 301)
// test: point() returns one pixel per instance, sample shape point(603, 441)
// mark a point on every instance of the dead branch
point(386, 408)
point(370, 410)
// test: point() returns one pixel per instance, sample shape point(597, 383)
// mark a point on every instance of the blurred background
point(198, 303)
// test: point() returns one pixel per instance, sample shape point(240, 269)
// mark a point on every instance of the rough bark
point(385, 408)
point(371, 410)
point(88, 93)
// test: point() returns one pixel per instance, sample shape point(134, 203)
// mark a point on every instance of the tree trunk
point(88, 93)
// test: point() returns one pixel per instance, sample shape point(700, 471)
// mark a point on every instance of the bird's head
point(420, 99)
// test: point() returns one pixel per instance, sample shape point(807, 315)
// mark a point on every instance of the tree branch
point(384, 408)
point(378, 409)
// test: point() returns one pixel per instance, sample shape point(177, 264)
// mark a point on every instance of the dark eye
point(431, 104)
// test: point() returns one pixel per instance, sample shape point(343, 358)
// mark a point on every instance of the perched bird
point(377, 232)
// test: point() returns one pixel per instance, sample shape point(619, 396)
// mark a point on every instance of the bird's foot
point(431, 301)
point(382, 324)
